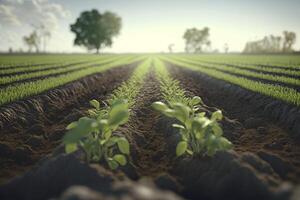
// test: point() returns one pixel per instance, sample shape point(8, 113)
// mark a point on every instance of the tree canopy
point(196, 40)
point(95, 30)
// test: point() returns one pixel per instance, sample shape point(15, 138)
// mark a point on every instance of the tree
point(226, 48)
point(196, 40)
point(95, 30)
point(170, 48)
point(33, 40)
point(289, 39)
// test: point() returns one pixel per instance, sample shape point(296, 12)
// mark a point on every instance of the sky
point(150, 26)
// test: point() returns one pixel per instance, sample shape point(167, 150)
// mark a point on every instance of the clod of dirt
point(261, 130)
point(80, 193)
point(36, 129)
point(35, 141)
point(274, 145)
point(22, 154)
point(229, 175)
point(55, 176)
point(279, 166)
point(167, 182)
point(5, 150)
point(253, 122)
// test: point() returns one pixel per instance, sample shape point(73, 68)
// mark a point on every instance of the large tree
point(196, 40)
point(95, 30)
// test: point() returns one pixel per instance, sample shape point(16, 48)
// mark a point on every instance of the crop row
point(27, 61)
point(199, 134)
point(280, 62)
point(94, 133)
point(279, 92)
point(244, 72)
point(278, 70)
point(26, 89)
point(34, 68)
point(71, 68)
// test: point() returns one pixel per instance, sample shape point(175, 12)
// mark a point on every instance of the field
point(258, 96)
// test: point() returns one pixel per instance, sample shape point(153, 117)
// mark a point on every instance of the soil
point(32, 128)
point(149, 146)
point(250, 171)
point(249, 129)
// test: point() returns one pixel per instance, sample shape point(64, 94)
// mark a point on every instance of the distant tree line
point(272, 44)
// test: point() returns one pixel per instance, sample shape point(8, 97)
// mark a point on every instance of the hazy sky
point(150, 25)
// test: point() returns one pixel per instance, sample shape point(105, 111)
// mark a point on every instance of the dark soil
point(250, 171)
point(33, 127)
point(249, 129)
point(149, 146)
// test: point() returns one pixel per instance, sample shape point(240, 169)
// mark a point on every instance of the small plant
point(200, 135)
point(94, 134)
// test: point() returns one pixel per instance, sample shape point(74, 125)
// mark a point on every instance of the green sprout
point(200, 135)
point(94, 134)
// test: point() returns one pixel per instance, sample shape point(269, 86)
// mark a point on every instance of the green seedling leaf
point(200, 123)
point(225, 144)
point(71, 126)
point(107, 135)
point(190, 152)
point(217, 130)
point(112, 164)
point(196, 100)
point(123, 145)
point(160, 106)
point(84, 127)
point(118, 114)
point(121, 159)
point(169, 113)
point(112, 141)
point(178, 126)
point(181, 148)
point(95, 104)
point(182, 112)
point(69, 148)
point(217, 115)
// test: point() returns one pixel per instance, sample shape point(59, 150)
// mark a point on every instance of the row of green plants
point(200, 134)
point(28, 60)
point(259, 68)
point(244, 72)
point(275, 61)
point(12, 93)
point(285, 94)
point(45, 66)
point(71, 68)
point(95, 133)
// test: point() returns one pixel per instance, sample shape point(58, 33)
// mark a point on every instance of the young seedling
point(94, 134)
point(200, 135)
